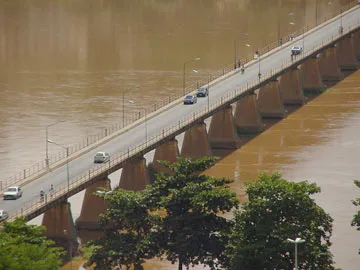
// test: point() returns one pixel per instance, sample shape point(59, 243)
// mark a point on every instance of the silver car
point(101, 157)
point(3, 215)
point(12, 193)
point(190, 99)
point(296, 50)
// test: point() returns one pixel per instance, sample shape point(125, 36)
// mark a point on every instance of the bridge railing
point(41, 167)
point(133, 151)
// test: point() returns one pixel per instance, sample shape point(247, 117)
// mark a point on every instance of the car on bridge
point(101, 157)
point(295, 50)
point(202, 92)
point(3, 215)
point(12, 193)
point(190, 99)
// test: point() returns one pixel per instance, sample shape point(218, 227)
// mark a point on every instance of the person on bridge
point(42, 195)
point(51, 190)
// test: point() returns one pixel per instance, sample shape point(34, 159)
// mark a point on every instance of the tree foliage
point(278, 210)
point(24, 246)
point(356, 202)
point(177, 218)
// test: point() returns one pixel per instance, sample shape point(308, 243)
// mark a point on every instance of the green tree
point(191, 231)
point(277, 210)
point(24, 246)
point(356, 219)
point(176, 218)
point(127, 226)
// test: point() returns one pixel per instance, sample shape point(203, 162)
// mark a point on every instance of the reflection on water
point(72, 60)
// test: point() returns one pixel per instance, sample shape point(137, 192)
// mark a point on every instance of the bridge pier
point(93, 206)
point(134, 175)
point(247, 116)
point(329, 66)
point(168, 151)
point(346, 54)
point(310, 75)
point(291, 88)
point(270, 102)
point(60, 227)
point(196, 142)
point(222, 131)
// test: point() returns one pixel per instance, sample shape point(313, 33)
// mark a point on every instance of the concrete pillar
point(346, 53)
point(134, 175)
point(93, 206)
point(60, 227)
point(269, 101)
point(222, 131)
point(356, 41)
point(329, 66)
point(310, 75)
point(247, 116)
point(291, 88)
point(196, 143)
point(168, 151)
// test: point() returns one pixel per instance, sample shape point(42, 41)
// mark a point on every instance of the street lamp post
point(208, 87)
point(258, 55)
point(67, 160)
point(316, 13)
point(47, 145)
point(123, 102)
point(235, 48)
point(192, 60)
point(297, 241)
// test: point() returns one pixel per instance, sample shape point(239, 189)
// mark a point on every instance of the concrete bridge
point(271, 80)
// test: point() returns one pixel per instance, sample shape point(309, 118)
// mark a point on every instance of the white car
point(296, 50)
point(3, 215)
point(12, 193)
point(101, 157)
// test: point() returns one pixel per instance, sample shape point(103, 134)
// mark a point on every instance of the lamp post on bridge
point(123, 102)
point(208, 87)
point(192, 60)
point(67, 160)
point(47, 139)
point(235, 48)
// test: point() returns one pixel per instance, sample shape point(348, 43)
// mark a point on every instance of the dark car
point(202, 92)
point(190, 99)
point(296, 50)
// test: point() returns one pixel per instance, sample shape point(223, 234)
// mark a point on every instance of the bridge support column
point(329, 66)
point(196, 142)
point(346, 54)
point(310, 75)
point(357, 44)
point(291, 89)
point(134, 175)
point(247, 116)
point(60, 227)
point(168, 151)
point(93, 206)
point(270, 102)
point(222, 131)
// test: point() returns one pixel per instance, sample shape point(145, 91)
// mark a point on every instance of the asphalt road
point(81, 164)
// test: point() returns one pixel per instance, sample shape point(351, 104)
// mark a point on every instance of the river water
point(71, 61)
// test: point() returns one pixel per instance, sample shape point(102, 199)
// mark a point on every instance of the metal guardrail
point(74, 184)
point(41, 167)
